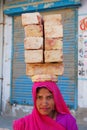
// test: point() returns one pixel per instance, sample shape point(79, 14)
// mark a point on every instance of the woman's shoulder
point(19, 124)
point(66, 116)
point(68, 121)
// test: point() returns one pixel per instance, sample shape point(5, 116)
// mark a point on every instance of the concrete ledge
point(3, 129)
point(81, 116)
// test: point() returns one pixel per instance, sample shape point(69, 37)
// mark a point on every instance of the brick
point(44, 77)
point(44, 68)
point(31, 18)
point(53, 43)
point(33, 31)
point(54, 19)
point(33, 56)
point(53, 31)
point(33, 43)
point(53, 56)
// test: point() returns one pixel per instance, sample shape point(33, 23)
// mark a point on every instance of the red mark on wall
point(83, 24)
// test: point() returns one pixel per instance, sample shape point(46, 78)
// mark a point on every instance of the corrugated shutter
point(21, 84)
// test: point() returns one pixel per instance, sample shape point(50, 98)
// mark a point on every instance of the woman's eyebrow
point(43, 95)
point(50, 95)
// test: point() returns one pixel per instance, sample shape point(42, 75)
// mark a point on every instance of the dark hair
point(39, 88)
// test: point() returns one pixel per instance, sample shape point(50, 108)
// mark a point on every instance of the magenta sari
point(36, 121)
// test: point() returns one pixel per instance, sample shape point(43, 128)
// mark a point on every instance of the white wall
point(1, 51)
point(7, 63)
point(82, 55)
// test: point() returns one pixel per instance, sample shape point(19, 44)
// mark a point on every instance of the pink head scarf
point(36, 121)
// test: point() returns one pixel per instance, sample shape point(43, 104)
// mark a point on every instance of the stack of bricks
point(43, 46)
point(33, 41)
point(53, 38)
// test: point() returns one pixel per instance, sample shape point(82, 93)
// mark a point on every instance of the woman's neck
point(53, 115)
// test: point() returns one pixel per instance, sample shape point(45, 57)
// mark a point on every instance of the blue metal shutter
point(21, 84)
point(68, 82)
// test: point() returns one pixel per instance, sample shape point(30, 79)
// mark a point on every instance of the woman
point(50, 111)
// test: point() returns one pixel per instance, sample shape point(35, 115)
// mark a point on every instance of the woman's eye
point(39, 97)
point(49, 97)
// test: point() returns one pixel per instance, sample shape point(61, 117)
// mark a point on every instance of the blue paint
point(22, 91)
point(20, 51)
point(40, 7)
point(23, 96)
point(82, 78)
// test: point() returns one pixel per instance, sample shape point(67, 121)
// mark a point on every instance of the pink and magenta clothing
point(68, 121)
point(36, 121)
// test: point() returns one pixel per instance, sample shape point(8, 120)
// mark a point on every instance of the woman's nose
point(44, 101)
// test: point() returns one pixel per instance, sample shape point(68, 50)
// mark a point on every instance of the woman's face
point(45, 102)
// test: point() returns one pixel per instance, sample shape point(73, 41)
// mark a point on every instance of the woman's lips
point(44, 109)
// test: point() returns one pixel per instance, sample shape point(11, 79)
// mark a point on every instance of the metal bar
point(17, 9)
point(1, 52)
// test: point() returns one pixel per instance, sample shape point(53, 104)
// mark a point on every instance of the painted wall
point(1, 51)
point(82, 55)
point(82, 63)
point(7, 108)
point(7, 63)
